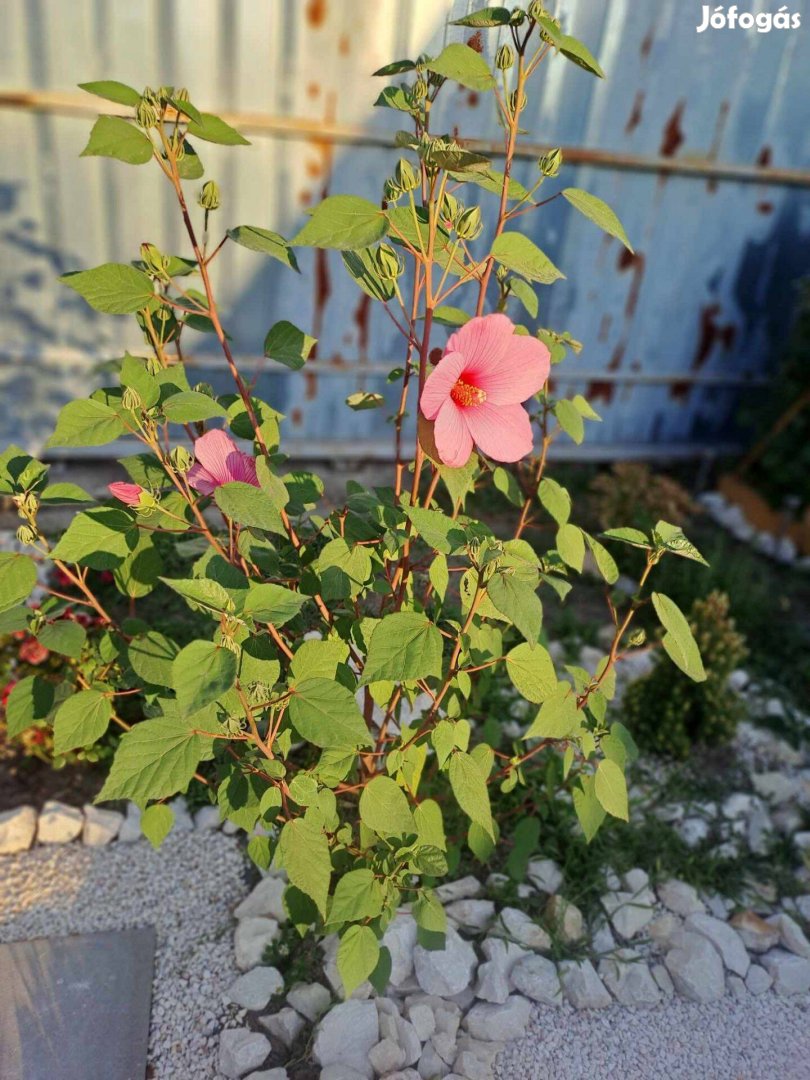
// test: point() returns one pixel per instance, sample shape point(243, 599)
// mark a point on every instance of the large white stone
point(130, 830)
point(254, 989)
point(790, 973)
point(629, 912)
point(776, 787)
point(269, 1074)
point(537, 978)
point(310, 999)
point(680, 898)
point(664, 928)
point(693, 831)
point(100, 826)
point(59, 823)
point(464, 889)
point(757, 981)
point(446, 971)
point(629, 979)
point(17, 829)
point(545, 875)
point(400, 940)
point(345, 1036)
point(183, 821)
point(757, 935)
point(386, 1056)
point(565, 917)
point(207, 819)
point(473, 915)
point(493, 974)
point(241, 1051)
point(582, 986)
point(739, 805)
point(725, 939)
point(791, 936)
point(519, 927)
point(499, 1022)
point(696, 968)
point(284, 1026)
point(251, 939)
point(266, 899)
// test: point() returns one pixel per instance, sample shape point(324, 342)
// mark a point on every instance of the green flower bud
point(404, 175)
point(146, 114)
point(155, 262)
point(555, 22)
point(27, 505)
point(131, 399)
point(517, 17)
point(150, 97)
point(208, 198)
point(451, 208)
point(389, 264)
point(420, 89)
point(179, 149)
point(181, 94)
point(469, 224)
point(637, 638)
point(549, 164)
point(516, 103)
point(181, 459)
point(26, 535)
point(505, 58)
point(537, 10)
point(501, 273)
point(153, 365)
point(164, 93)
point(391, 191)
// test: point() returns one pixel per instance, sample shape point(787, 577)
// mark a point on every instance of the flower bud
point(164, 93)
point(389, 264)
point(181, 459)
point(146, 114)
point(153, 365)
point(391, 191)
point(501, 273)
point(208, 198)
point(469, 224)
point(27, 505)
point(537, 10)
point(637, 638)
point(26, 535)
point(181, 94)
point(131, 399)
point(420, 89)
point(179, 149)
point(549, 164)
point(555, 22)
point(505, 58)
point(155, 262)
point(404, 175)
point(516, 103)
point(517, 17)
point(204, 388)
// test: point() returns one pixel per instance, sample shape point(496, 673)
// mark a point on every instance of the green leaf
point(156, 823)
point(64, 636)
point(523, 292)
point(397, 67)
point(531, 671)
point(81, 720)
point(365, 399)
point(463, 65)
point(588, 808)
point(343, 570)
point(448, 315)
point(114, 137)
point(113, 90)
point(157, 758)
point(470, 789)
point(70, 494)
point(86, 423)
point(437, 529)
point(570, 420)
point(358, 895)
point(202, 594)
point(524, 844)
point(214, 130)
point(30, 701)
point(515, 598)
point(598, 212)
point(507, 484)
point(404, 646)
point(584, 408)
point(555, 499)
point(571, 546)
point(318, 659)
point(289, 345)
point(362, 266)
point(303, 851)
point(429, 914)
point(114, 288)
point(18, 576)
point(517, 252)
point(138, 574)
point(272, 603)
point(678, 641)
point(579, 54)
point(427, 818)
point(357, 956)
point(633, 537)
point(344, 222)
point(248, 505)
point(558, 715)
point(190, 167)
point(439, 575)
point(488, 16)
point(610, 788)
point(265, 242)
point(430, 861)
point(190, 407)
point(672, 538)
point(325, 713)
point(605, 562)
point(151, 656)
point(384, 808)
point(100, 539)
point(202, 672)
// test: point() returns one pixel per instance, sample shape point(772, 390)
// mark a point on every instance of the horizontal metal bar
point(298, 128)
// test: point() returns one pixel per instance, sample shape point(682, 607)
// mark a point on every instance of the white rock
point(284, 1026)
point(182, 818)
point(757, 935)
point(493, 975)
point(241, 1051)
point(739, 679)
point(719, 906)
point(775, 787)
point(693, 831)
point(760, 827)
point(464, 889)
point(475, 915)
point(663, 979)
point(517, 926)
point(545, 875)
point(757, 981)
point(787, 820)
point(800, 905)
point(17, 829)
point(100, 826)
point(802, 841)
point(629, 979)
point(565, 917)
point(738, 805)
point(408, 1039)
point(635, 880)
point(537, 978)
point(613, 882)
point(725, 939)
point(130, 830)
point(423, 1020)
point(680, 898)
point(346, 1035)
point(790, 974)
point(736, 986)
point(664, 929)
point(446, 971)
point(342, 1072)
point(499, 1022)
point(791, 936)
point(472, 1051)
point(268, 1074)
point(251, 939)
point(696, 968)
point(386, 1056)
point(207, 819)
point(254, 989)
point(582, 986)
point(602, 939)
point(629, 912)
point(266, 899)
point(400, 940)
point(430, 1064)
point(59, 823)
point(310, 999)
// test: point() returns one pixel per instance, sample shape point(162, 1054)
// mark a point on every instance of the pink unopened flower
point(475, 392)
point(126, 493)
point(220, 461)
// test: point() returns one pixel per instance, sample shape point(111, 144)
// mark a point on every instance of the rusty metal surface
point(700, 142)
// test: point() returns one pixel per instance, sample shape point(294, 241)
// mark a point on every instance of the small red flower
point(130, 494)
point(33, 652)
point(220, 461)
point(6, 691)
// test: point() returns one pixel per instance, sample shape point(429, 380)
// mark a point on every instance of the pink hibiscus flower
point(220, 461)
point(126, 493)
point(475, 392)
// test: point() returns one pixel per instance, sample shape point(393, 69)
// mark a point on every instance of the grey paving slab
point(76, 1008)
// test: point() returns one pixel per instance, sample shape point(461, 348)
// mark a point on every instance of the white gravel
point(757, 1038)
point(186, 890)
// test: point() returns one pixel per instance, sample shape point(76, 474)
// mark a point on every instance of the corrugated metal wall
point(669, 333)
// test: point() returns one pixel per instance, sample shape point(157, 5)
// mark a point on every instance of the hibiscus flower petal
point(518, 374)
point(440, 382)
point(482, 341)
point(502, 432)
point(243, 467)
point(201, 479)
point(453, 440)
point(126, 493)
point(213, 451)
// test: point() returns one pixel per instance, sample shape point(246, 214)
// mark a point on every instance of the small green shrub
point(668, 716)
point(631, 491)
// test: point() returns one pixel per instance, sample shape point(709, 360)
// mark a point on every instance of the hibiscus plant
point(328, 700)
